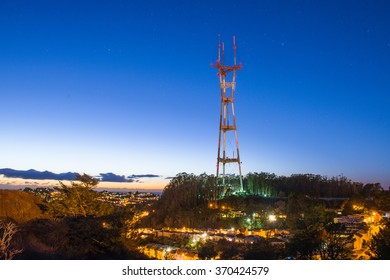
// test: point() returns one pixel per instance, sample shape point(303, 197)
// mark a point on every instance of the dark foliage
point(380, 244)
point(263, 250)
point(74, 238)
point(183, 202)
point(208, 251)
point(229, 250)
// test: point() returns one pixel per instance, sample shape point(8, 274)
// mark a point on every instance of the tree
point(329, 243)
point(305, 244)
point(183, 201)
point(304, 212)
point(335, 243)
point(354, 205)
point(370, 190)
point(90, 230)
point(79, 199)
point(382, 201)
point(380, 243)
point(7, 232)
point(208, 251)
point(228, 250)
point(89, 238)
point(263, 250)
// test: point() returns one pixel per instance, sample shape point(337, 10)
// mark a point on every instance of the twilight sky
point(127, 87)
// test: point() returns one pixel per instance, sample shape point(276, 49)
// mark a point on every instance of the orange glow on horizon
point(147, 183)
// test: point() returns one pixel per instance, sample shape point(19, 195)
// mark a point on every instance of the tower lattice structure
point(227, 118)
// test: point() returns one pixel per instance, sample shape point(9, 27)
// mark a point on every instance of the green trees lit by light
point(270, 185)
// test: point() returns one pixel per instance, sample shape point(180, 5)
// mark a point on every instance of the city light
point(272, 218)
point(357, 207)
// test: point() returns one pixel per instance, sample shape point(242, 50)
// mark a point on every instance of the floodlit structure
point(227, 118)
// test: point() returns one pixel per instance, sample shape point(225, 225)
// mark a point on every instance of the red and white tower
point(227, 118)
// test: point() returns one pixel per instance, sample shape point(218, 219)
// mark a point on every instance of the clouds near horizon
point(33, 174)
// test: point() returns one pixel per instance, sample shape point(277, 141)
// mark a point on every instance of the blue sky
point(127, 87)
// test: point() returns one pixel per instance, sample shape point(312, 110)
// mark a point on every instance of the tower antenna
point(227, 82)
point(219, 48)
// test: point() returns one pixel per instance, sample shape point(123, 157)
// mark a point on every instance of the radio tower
point(227, 118)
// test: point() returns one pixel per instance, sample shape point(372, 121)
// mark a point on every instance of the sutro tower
point(227, 119)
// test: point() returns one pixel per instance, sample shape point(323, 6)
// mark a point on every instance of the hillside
point(19, 206)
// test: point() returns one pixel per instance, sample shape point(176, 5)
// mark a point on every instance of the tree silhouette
point(263, 250)
point(305, 244)
point(7, 232)
point(208, 251)
point(335, 243)
point(229, 250)
point(79, 199)
point(380, 243)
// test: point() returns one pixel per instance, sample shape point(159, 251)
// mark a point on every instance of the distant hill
point(19, 206)
point(33, 174)
point(37, 175)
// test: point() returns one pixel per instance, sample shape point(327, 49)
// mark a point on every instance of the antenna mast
point(227, 89)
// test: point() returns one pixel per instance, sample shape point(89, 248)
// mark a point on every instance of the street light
point(272, 218)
